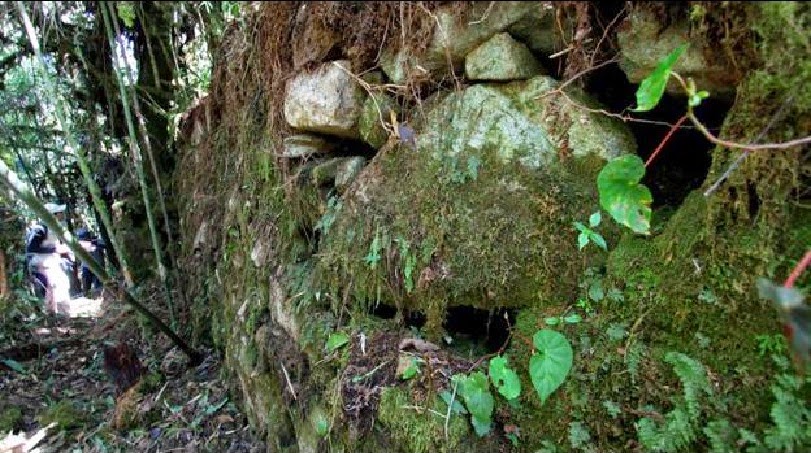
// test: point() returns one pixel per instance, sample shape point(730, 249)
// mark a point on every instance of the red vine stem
point(798, 270)
point(664, 140)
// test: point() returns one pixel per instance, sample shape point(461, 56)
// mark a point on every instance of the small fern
point(679, 428)
point(693, 379)
point(721, 435)
point(676, 433)
point(791, 416)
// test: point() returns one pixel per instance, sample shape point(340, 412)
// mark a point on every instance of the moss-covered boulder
point(480, 214)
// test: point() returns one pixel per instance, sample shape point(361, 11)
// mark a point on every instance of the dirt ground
point(58, 395)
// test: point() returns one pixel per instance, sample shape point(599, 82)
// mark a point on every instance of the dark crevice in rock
point(352, 148)
point(682, 164)
point(487, 329)
point(411, 319)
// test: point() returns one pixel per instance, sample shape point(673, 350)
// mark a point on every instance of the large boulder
point(528, 121)
point(480, 213)
point(327, 100)
point(501, 58)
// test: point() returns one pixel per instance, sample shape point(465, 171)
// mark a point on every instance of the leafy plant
point(550, 364)
point(653, 87)
point(573, 318)
point(373, 256)
point(791, 416)
point(587, 234)
point(770, 344)
point(409, 263)
point(411, 370)
point(504, 378)
point(475, 391)
point(621, 194)
point(680, 426)
point(579, 435)
point(454, 404)
point(336, 340)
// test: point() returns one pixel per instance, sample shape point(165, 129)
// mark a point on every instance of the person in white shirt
point(49, 261)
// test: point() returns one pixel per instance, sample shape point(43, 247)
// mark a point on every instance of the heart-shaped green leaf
point(336, 340)
point(652, 88)
point(504, 378)
point(622, 196)
point(549, 366)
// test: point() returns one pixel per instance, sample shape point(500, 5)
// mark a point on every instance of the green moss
point(10, 419)
point(420, 431)
point(150, 382)
point(64, 414)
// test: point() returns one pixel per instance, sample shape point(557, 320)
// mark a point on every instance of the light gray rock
point(515, 121)
point(454, 38)
point(501, 58)
point(327, 100)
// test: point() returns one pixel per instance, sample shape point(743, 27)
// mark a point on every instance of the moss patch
point(414, 428)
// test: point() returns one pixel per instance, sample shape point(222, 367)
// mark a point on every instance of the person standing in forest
point(95, 247)
point(49, 260)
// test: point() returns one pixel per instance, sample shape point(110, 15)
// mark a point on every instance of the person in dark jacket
point(95, 247)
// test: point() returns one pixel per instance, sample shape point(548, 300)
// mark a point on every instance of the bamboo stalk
point(135, 152)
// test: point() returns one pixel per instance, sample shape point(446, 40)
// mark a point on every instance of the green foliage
point(9, 419)
point(373, 257)
point(14, 365)
point(573, 318)
point(612, 408)
point(475, 392)
point(409, 261)
point(504, 378)
point(454, 404)
point(579, 435)
point(587, 234)
point(334, 206)
point(622, 196)
point(771, 344)
point(64, 414)
point(694, 97)
point(652, 88)
point(791, 416)
point(679, 428)
point(336, 340)
point(412, 369)
point(321, 424)
point(551, 362)
point(126, 12)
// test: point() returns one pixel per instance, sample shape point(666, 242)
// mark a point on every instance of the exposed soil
point(52, 370)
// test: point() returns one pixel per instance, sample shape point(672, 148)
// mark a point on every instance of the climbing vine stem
point(798, 270)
